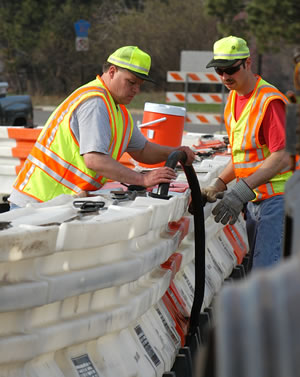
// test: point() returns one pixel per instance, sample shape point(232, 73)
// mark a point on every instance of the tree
point(230, 16)
point(15, 21)
point(271, 22)
point(269, 26)
point(163, 29)
point(37, 37)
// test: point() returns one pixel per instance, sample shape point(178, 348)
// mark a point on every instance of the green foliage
point(230, 15)
point(38, 40)
point(37, 37)
point(271, 22)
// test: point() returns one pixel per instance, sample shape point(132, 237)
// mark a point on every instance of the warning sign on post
point(81, 30)
point(82, 43)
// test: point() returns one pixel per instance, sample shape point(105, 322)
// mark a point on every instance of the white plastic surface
point(164, 109)
point(75, 288)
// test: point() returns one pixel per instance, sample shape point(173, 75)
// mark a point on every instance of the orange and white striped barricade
point(193, 77)
point(180, 97)
point(197, 98)
point(203, 118)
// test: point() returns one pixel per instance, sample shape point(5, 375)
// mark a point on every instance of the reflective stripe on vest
point(247, 152)
point(54, 166)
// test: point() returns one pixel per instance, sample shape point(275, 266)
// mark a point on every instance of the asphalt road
point(41, 114)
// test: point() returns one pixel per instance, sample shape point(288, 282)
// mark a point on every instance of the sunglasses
point(229, 71)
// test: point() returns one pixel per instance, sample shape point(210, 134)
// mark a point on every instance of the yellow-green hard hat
point(229, 50)
point(133, 59)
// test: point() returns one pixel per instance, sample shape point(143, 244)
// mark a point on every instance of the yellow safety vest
point(55, 166)
point(247, 152)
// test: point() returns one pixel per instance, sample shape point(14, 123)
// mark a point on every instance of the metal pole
point(186, 88)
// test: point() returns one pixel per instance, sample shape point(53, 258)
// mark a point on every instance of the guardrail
point(106, 294)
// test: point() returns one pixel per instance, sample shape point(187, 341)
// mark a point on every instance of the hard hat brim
point(221, 63)
point(141, 76)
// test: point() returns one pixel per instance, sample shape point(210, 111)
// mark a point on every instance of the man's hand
point(229, 208)
point(190, 155)
point(157, 176)
point(81, 194)
point(216, 186)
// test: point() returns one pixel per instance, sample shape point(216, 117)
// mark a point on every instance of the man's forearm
point(107, 167)
point(227, 175)
point(155, 153)
point(152, 153)
point(273, 164)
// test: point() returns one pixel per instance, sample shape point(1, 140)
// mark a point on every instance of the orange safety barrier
point(25, 139)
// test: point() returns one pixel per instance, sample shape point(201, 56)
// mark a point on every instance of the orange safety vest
point(247, 152)
point(297, 162)
point(55, 166)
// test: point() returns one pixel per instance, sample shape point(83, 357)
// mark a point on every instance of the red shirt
point(272, 129)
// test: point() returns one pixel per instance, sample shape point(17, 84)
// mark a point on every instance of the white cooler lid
point(164, 109)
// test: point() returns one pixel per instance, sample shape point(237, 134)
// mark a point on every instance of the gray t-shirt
point(85, 124)
point(90, 126)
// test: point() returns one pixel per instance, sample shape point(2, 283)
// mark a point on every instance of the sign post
point(81, 30)
point(82, 41)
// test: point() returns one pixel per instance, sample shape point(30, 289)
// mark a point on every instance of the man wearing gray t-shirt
point(81, 143)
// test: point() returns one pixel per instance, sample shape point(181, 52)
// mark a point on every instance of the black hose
point(199, 238)
point(171, 162)
point(199, 231)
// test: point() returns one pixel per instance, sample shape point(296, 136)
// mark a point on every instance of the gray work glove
point(229, 208)
point(209, 192)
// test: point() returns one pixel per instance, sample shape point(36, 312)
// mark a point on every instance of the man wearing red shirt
point(254, 116)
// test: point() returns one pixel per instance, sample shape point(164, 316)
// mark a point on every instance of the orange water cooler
point(163, 124)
